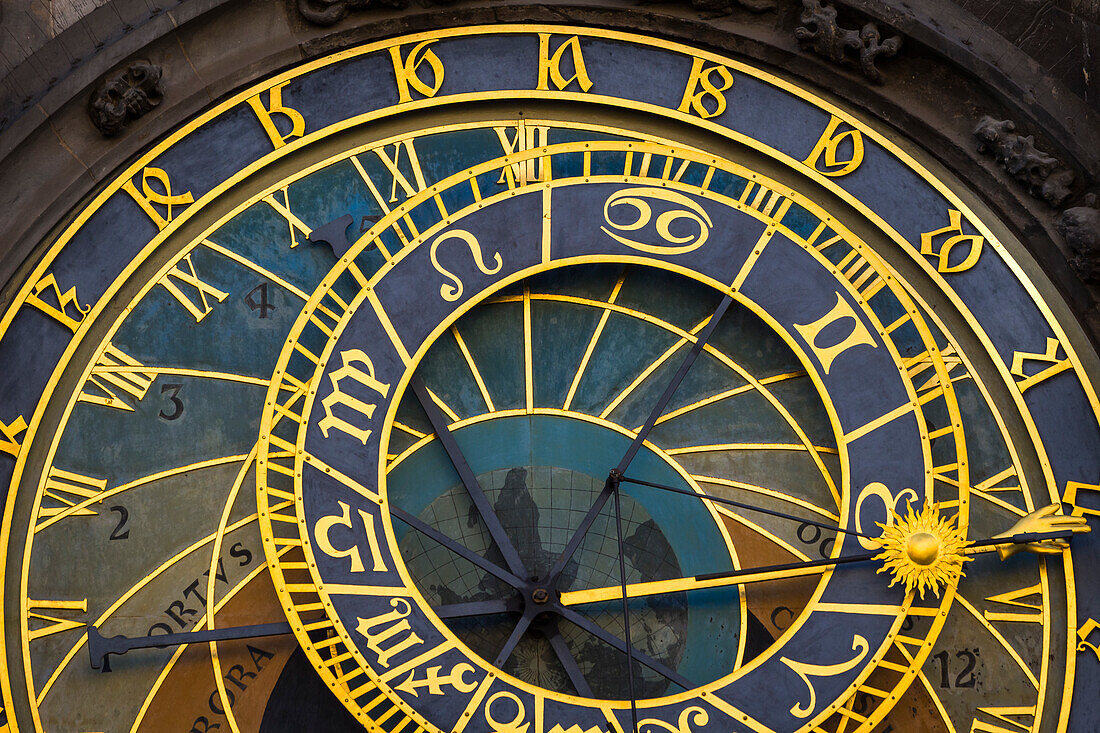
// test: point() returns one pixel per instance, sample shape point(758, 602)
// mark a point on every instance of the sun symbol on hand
point(924, 550)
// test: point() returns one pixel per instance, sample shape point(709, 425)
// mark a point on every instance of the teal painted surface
point(554, 442)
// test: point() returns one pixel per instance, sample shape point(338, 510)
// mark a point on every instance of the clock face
point(440, 374)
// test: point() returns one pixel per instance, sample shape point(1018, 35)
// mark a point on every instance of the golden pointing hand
point(1042, 521)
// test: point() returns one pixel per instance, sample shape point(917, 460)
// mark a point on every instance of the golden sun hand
point(922, 549)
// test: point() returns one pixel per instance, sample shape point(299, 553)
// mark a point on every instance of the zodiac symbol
point(454, 292)
point(691, 211)
point(688, 717)
point(805, 670)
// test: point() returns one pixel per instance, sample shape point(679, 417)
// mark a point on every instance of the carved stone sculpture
point(825, 37)
point(1080, 227)
point(725, 7)
point(331, 12)
point(125, 96)
point(1044, 175)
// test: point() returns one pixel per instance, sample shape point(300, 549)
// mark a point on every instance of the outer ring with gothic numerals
point(1004, 340)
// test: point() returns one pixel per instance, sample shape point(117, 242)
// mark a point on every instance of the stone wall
point(1004, 94)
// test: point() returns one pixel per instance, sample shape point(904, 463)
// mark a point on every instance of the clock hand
point(100, 646)
point(662, 402)
point(529, 613)
point(710, 580)
point(741, 505)
point(776, 572)
point(477, 608)
point(447, 440)
point(606, 636)
point(635, 446)
point(565, 656)
point(626, 604)
point(457, 547)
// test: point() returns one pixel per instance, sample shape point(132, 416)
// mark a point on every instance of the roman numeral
point(1025, 381)
point(116, 370)
point(292, 220)
point(54, 624)
point(393, 165)
point(187, 276)
point(65, 490)
point(1006, 481)
point(1005, 715)
point(1032, 613)
point(524, 138)
point(1070, 497)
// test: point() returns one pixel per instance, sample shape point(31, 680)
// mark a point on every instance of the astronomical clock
point(543, 379)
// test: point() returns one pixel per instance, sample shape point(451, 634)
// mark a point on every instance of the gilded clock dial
point(434, 391)
point(575, 409)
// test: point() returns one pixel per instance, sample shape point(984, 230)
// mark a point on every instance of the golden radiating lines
point(764, 491)
point(163, 675)
point(752, 384)
point(180, 372)
point(443, 406)
point(725, 395)
point(410, 430)
point(1000, 638)
point(211, 607)
point(528, 360)
point(714, 447)
point(157, 572)
point(473, 370)
point(139, 482)
point(652, 367)
point(258, 269)
point(732, 514)
point(592, 342)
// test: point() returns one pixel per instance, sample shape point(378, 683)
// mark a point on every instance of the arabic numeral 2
point(968, 659)
point(121, 530)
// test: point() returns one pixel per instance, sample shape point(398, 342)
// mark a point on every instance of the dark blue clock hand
point(635, 446)
point(447, 440)
point(742, 505)
point(626, 606)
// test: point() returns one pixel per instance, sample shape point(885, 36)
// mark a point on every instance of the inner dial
point(547, 383)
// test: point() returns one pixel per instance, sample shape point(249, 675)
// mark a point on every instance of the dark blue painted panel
point(416, 296)
point(326, 497)
point(340, 445)
point(863, 380)
point(108, 241)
